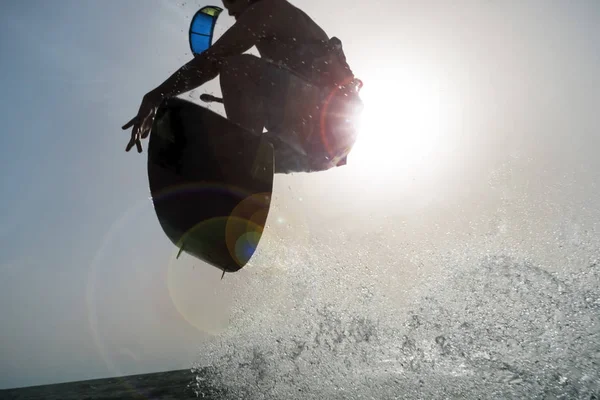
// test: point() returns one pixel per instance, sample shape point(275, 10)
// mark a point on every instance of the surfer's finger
point(147, 124)
point(134, 138)
point(130, 144)
point(138, 144)
point(130, 123)
point(146, 131)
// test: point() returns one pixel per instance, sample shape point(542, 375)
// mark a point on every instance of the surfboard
point(211, 183)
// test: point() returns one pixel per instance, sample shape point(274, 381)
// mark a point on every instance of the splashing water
point(491, 327)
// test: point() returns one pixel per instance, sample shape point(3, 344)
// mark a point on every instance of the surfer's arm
point(238, 39)
point(193, 74)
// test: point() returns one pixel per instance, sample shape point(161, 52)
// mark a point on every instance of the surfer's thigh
point(291, 116)
point(241, 71)
point(240, 78)
point(290, 102)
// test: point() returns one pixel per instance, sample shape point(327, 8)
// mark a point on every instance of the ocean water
point(496, 315)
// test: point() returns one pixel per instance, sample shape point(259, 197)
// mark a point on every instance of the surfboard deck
point(211, 183)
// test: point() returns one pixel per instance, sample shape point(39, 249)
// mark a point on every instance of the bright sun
point(404, 117)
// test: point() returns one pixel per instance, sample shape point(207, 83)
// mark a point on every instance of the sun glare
point(402, 122)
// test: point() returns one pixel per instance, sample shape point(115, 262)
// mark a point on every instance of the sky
point(480, 121)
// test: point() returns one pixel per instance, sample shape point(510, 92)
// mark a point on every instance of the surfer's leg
point(258, 94)
point(240, 79)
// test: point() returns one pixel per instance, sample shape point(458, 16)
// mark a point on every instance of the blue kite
point(202, 28)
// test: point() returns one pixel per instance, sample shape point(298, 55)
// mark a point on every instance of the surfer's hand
point(142, 122)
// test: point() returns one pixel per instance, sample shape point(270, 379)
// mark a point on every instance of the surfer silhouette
point(300, 92)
